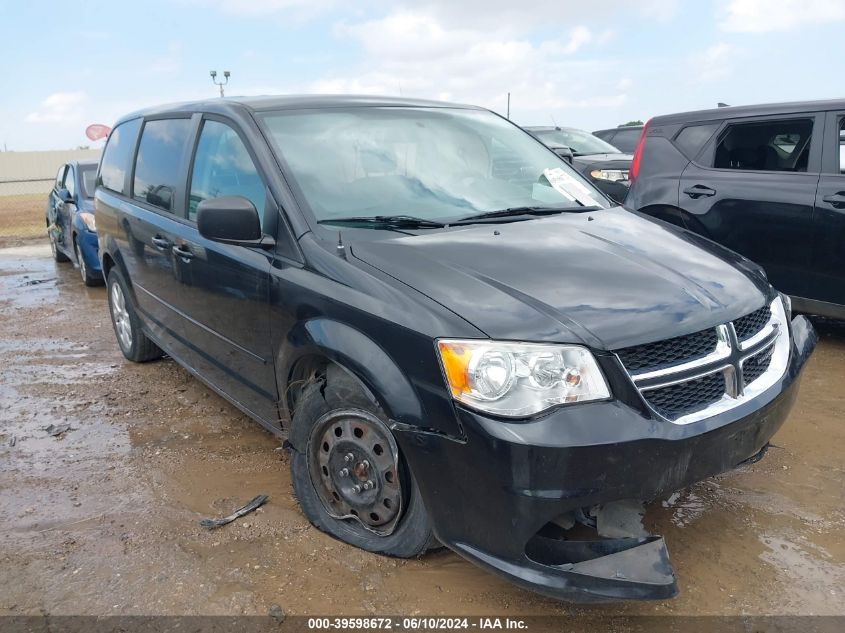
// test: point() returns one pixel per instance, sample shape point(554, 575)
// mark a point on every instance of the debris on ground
point(277, 613)
point(57, 430)
point(621, 519)
point(256, 503)
point(35, 282)
point(12, 441)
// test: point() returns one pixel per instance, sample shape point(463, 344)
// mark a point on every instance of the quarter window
point(158, 166)
point(765, 146)
point(223, 167)
point(118, 155)
point(692, 138)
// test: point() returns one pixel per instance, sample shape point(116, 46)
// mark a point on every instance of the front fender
point(359, 354)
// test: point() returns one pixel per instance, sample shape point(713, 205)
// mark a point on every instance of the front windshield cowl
point(433, 165)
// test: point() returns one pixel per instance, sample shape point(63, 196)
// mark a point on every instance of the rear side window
point(117, 156)
point(223, 167)
point(692, 138)
point(158, 167)
point(626, 139)
point(765, 146)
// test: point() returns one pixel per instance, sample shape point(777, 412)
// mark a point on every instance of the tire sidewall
point(135, 326)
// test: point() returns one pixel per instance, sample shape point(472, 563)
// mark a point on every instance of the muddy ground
point(104, 519)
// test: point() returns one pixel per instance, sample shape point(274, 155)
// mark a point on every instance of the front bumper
point(490, 494)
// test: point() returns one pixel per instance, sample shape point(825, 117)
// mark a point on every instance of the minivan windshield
point(580, 142)
point(434, 164)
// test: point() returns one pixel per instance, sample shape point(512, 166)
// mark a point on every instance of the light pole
point(226, 74)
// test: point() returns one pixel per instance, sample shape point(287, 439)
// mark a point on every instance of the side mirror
point(64, 196)
point(564, 152)
point(231, 220)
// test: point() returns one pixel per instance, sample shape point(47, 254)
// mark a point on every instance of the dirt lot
point(21, 217)
point(104, 519)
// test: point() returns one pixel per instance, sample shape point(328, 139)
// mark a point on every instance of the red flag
point(97, 131)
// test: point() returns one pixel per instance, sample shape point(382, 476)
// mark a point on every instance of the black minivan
point(463, 342)
point(767, 181)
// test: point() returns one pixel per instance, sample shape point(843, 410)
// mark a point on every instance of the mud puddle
point(104, 519)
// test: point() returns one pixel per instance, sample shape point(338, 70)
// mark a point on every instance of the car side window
point(765, 146)
point(842, 146)
point(223, 167)
point(69, 183)
point(60, 177)
point(159, 161)
point(117, 155)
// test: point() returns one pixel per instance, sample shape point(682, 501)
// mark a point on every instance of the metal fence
point(26, 179)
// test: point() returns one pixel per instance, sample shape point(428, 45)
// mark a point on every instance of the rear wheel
point(58, 255)
point(349, 475)
point(134, 344)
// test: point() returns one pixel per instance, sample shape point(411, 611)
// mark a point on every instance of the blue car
point(70, 219)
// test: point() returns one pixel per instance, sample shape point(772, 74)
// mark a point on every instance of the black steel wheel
point(348, 472)
point(353, 460)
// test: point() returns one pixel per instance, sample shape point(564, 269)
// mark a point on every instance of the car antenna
point(341, 249)
point(554, 122)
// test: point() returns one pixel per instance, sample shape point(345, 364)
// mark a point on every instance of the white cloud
point(169, 63)
point(422, 54)
point(59, 107)
point(760, 16)
point(714, 63)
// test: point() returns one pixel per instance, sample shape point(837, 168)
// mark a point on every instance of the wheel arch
point(328, 342)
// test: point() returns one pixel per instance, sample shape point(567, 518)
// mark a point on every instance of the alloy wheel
point(120, 316)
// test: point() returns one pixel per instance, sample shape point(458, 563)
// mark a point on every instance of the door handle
point(837, 200)
point(161, 243)
point(699, 191)
point(183, 252)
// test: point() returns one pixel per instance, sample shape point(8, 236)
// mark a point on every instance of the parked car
point(71, 227)
point(624, 137)
point(461, 339)
point(766, 181)
point(597, 160)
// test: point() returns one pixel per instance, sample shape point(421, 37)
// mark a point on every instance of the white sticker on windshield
point(570, 187)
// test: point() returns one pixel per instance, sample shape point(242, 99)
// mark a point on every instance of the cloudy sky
point(586, 63)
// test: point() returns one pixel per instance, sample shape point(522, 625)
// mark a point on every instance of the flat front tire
point(348, 476)
point(134, 344)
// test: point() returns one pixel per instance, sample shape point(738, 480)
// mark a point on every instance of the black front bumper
point(489, 495)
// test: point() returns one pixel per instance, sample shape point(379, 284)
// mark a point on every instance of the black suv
point(624, 137)
point(766, 181)
point(461, 340)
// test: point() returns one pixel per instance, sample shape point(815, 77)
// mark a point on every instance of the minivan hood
point(607, 279)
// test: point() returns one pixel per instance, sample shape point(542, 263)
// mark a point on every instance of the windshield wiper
point(387, 221)
point(519, 211)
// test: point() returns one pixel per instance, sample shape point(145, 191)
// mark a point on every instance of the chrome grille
point(750, 324)
point(687, 378)
point(755, 366)
point(668, 352)
point(688, 396)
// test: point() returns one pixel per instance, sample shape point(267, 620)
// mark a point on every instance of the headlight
point(88, 221)
point(519, 379)
point(614, 175)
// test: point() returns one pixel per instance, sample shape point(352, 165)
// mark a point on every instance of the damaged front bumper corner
point(492, 496)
